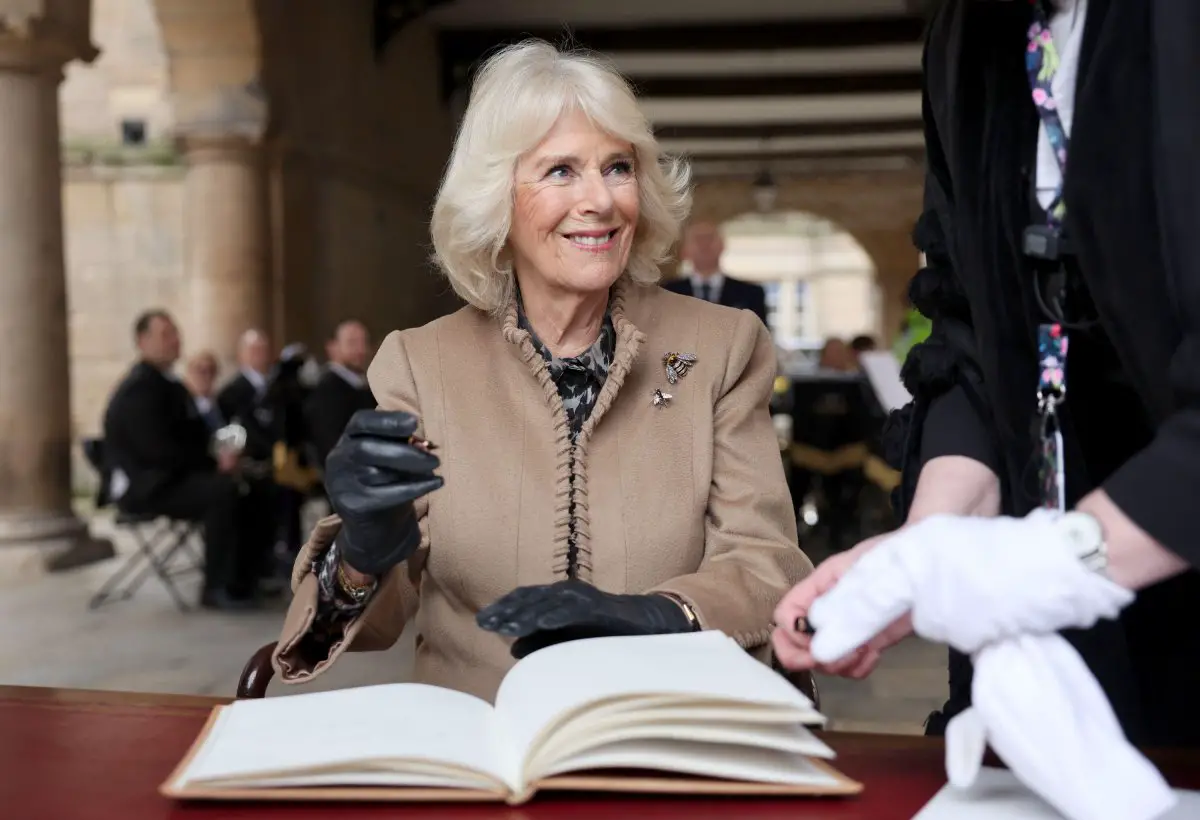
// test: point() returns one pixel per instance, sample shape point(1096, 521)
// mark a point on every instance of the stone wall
point(124, 230)
point(358, 146)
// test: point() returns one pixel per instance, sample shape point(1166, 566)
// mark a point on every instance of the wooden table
point(72, 754)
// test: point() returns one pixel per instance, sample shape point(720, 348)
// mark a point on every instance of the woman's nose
point(595, 197)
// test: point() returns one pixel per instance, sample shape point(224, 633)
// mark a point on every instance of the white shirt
point(713, 284)
point(1066, 29)
point(256, 379)
point(203, 404)
point(351, 378)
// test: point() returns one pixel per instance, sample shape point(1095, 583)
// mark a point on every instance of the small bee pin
point(661, 398)
point(678, 365)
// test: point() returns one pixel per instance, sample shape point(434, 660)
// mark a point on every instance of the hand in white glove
point(1037, 705)
point(967, 582)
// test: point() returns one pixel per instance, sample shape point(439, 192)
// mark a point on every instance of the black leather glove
point(372, 477)
point(569, 610)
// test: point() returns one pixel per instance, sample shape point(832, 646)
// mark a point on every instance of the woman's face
point(576, 209)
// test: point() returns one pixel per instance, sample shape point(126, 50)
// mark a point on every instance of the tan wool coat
point(687, 498)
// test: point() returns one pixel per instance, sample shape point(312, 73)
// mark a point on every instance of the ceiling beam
point(463, 49)
point(750, 167)
point(775, 130)
point(768, 160)
point(790, 35)
point(776, 86)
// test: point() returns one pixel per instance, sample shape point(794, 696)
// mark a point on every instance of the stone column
point(225, 212)
point(36, 41)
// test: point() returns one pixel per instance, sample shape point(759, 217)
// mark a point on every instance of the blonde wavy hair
point(518, 96)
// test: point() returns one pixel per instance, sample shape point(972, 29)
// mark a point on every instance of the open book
point(688, 714)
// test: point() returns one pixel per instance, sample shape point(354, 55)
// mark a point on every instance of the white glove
point(999, 589)
point(1040, 709)
point(968, 582)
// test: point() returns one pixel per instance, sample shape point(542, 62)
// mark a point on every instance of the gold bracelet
point(688, 611)
point(356, 592)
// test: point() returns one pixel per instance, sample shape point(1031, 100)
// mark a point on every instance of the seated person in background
point(862, 344)
point(702, 246)
point(157, 447)
point(342, 389)
point(243, 400)
point(609, 463)
point(200, 377)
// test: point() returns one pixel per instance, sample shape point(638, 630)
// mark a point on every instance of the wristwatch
point(1084, 535)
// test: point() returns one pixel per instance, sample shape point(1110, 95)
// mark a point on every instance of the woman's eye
point(558, 172)
point(622, 167)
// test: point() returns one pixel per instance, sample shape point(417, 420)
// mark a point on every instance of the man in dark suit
point(159, 462)
point(342, 389)
point(200, 377)
point(241, 399)
point(244, 400)
point(702, 247)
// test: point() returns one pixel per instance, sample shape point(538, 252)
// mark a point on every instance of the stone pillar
point(225, 212)
point(36, 41)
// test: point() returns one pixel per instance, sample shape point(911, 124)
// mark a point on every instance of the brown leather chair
point(257, 674)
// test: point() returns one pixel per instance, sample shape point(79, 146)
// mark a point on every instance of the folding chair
point(164, 545)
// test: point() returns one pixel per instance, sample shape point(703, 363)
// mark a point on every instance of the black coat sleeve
point(948, 414)
point(326, 414)
point(1159, 488)
point(760, 302)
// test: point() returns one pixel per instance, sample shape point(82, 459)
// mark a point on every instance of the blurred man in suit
point(241, 399)
point(244, 400)
point(342, 389)
point(200, 376)
point(159, 461)
point(702, 247)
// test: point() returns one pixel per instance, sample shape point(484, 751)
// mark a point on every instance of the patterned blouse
point(579, 379)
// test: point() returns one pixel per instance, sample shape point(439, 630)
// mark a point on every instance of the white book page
point(562, 678)
point(730, 762)
point(996, 794)
point(283, 737)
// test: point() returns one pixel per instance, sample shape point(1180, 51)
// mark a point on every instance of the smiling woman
point(564, 121)
point(570, 495)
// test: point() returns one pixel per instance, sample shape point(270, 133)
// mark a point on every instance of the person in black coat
point(1023, 251)
point(702, 247)
point(244, 400)
point(342, 389)
point(157, 449)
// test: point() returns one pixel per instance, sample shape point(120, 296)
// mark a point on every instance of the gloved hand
point(1037, 705)
point(968, 582)
point(542, 616)
point(372, 477)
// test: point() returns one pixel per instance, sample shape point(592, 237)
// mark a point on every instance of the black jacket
point(328, 409)
point(1132, 194)
point(734, 293)
point(241, 403)
point(154, 434)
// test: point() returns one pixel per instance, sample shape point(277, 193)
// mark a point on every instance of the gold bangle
point(688, 611)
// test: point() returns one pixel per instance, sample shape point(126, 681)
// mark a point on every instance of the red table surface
point(71, 754)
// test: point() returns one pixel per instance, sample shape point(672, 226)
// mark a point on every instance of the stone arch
point(819, 278)
point(214, 62)
point(877, 208)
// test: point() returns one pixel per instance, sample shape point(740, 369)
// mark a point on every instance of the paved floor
point(51, 638)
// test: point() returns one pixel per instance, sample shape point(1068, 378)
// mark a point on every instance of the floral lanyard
point(1041, 63)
